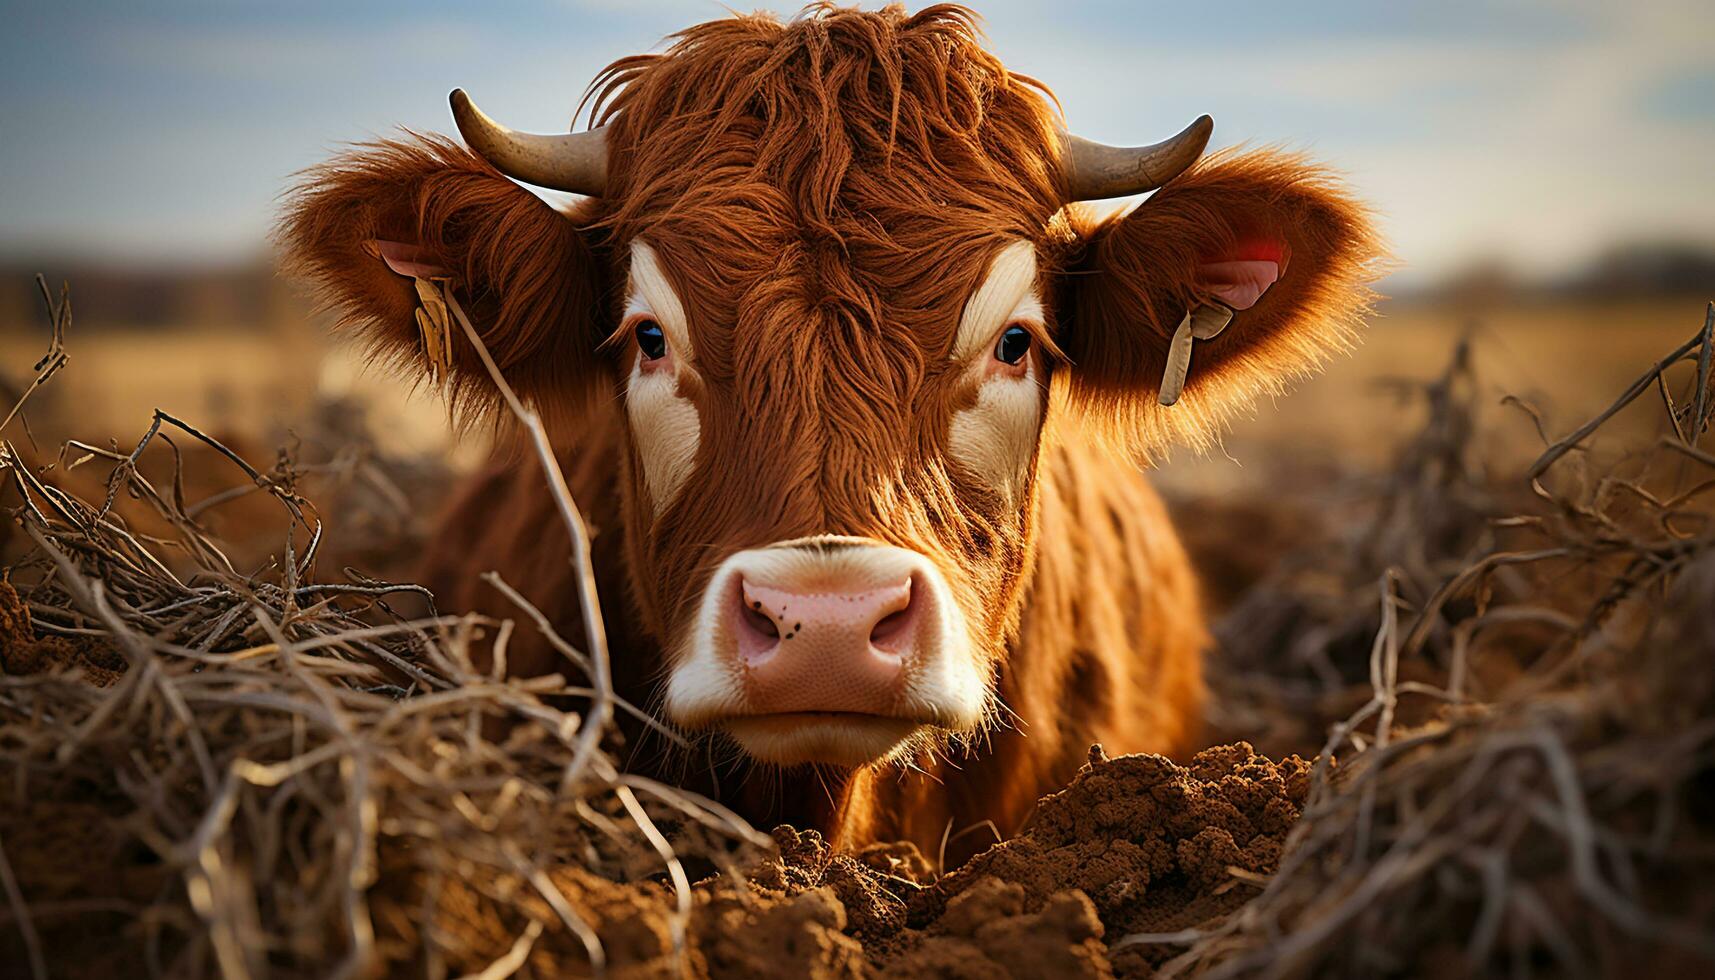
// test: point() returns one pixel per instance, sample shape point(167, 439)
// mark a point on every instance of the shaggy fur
point(824, 195)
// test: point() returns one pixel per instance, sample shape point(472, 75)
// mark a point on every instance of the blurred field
point(241, 351)
point(1567, 357)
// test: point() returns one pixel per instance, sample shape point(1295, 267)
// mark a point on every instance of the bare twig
point(59, 318)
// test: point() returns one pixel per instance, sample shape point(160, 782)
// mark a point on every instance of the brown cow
point(853, 398)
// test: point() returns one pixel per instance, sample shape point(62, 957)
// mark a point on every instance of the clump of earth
point(1133, 846)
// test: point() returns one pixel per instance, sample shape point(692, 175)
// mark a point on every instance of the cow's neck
point(809, 798)
point(852, 808)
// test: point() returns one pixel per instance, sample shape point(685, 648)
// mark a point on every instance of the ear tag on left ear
point(1201, 323)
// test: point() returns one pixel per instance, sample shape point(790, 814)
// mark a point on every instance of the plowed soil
point(1134, 846)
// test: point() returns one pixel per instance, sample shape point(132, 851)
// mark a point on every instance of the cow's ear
point(365, 226)
point(1262, 237)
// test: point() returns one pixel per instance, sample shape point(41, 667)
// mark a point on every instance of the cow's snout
point(806, 644)
point(827, 649)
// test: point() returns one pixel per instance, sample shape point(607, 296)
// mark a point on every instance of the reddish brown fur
point(824, 196)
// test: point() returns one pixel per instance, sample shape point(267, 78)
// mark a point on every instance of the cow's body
point(854, 393)
point(1107, 647)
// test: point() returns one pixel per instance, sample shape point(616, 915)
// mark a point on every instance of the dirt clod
point(1150, 844)
point(985, 932)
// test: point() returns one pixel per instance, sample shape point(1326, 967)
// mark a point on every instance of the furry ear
point(362, 225)
point(1264, 235)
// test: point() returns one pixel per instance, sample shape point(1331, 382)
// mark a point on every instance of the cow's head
point(829, 269)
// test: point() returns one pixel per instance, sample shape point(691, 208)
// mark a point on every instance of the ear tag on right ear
point(435, 325)
point(1201, 323)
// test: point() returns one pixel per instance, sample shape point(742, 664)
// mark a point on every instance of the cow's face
point(832, 483)
point(829, 273)
point(836, 350)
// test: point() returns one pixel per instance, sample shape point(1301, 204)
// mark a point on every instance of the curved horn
point(574, 162)
point(1096, 170)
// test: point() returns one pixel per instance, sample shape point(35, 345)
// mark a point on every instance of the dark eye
point(1013, 345)
point(650, 340)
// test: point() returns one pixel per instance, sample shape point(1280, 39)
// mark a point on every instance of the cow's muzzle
point(829, 649)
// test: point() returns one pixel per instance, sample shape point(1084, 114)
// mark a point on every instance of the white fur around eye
point(650, 294)
point(666, 430)
point(665, 426)
point(995, 439)
point(1007, 293)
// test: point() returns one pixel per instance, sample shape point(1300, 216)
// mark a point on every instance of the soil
point(22, 652)
point(1134, 844)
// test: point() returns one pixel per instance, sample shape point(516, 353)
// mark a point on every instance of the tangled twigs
point(1699, 421)
point(1520, 811)
point(304, 777)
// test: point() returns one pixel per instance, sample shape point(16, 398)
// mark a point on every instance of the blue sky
point(1529, 131)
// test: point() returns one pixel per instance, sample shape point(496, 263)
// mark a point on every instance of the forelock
point(873, 130)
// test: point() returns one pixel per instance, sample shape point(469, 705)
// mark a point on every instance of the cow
point(856, 395)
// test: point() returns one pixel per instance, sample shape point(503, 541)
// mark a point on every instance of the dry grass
point(261, 743)
point(1551, 809)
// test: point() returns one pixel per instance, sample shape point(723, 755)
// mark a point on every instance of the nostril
point(894, 628)
point(759, 621)
point(889, 627)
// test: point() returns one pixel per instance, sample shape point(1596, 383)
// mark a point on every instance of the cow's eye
point(1014, 343)
point(650, 340)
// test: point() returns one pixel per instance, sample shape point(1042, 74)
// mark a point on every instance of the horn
point(574, 162)
point(1096, 170)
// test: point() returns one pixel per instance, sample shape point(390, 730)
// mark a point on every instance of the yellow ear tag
point(435, 325)
point(1200, 323)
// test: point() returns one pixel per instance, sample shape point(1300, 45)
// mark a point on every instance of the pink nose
point(824, 649)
